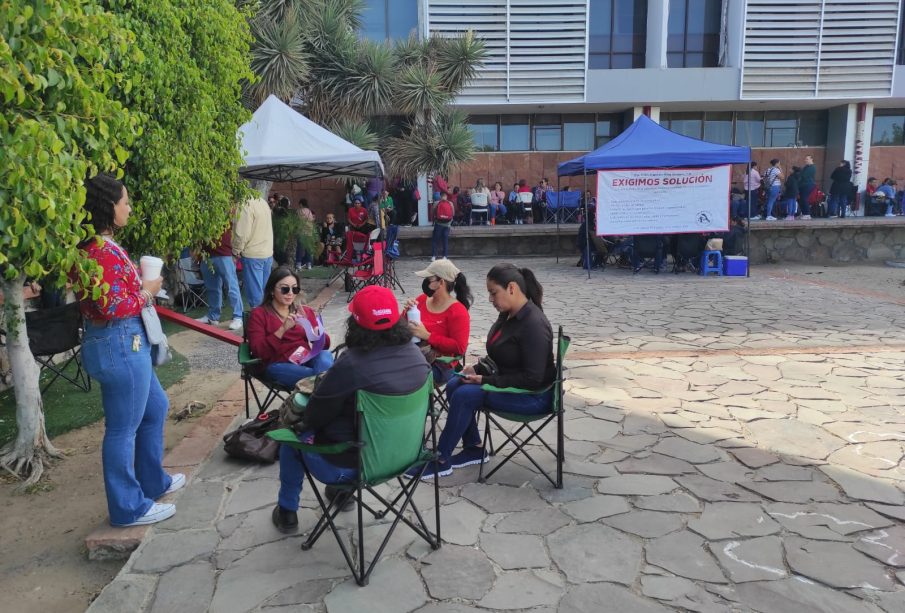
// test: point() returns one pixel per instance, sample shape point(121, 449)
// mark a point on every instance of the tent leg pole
point(587, 221)
point(748, 226)
point(559, 204)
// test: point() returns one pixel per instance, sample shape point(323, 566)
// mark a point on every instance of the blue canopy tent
point(647, 144)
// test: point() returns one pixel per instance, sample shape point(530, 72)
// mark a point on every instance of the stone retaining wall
point(814, 245)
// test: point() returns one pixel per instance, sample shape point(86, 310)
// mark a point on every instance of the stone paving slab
point(720, 457)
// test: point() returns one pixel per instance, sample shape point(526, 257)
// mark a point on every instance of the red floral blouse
point(124, 297)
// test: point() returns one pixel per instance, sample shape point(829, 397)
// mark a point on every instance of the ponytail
point(463, 292)
point(533, 289)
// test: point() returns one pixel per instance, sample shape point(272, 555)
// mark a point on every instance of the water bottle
point(414, 316)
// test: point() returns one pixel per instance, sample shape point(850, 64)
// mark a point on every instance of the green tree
point(60, 121)
point(398, 97)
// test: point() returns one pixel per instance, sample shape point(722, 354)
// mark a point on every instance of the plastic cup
point(150, 267)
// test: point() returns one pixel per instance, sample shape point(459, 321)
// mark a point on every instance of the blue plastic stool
point(716, 265)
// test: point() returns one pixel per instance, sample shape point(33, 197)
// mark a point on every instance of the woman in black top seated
point(520, 345)
point(379, 358)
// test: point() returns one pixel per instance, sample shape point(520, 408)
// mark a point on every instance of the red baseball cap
point(375, 308)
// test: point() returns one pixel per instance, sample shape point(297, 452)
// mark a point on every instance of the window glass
point(402, 16)
point(608, 128)
point(889, 128)
point(781, 129)
point(578, 133)
point(547, 133)
point(514, 133)
point(812, 128)
point(718, 127)
point(687, 124)
point(617, 28)
point(749, 129)
point(374, 20)
point(484, 130)
point(693, 34)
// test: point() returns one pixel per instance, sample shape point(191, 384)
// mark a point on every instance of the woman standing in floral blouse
point(116, 353)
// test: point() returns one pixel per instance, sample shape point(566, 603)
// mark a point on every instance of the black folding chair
point(191, 288)
point(647, 252)
point(253, 370)
point(55, 331)
point(688, 252)
point(527, 422)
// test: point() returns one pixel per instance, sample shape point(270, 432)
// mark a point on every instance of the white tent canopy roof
point(281, 144)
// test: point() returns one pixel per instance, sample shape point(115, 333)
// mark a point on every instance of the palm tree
point(395, 98)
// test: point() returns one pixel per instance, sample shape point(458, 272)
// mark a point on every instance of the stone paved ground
point(733, 445)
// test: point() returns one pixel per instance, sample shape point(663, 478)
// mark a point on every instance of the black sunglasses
point(285, 289)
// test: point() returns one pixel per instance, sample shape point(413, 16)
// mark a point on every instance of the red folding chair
point(372, 274)
point(355, 256)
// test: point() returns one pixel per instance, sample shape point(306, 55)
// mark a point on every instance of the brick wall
point(324, 195)
point(888, 162)
point(508, 168)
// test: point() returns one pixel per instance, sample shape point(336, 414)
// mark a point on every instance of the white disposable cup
point(150, 267)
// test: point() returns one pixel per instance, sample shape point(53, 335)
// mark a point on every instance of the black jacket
point(842, 181)
point(522, 348)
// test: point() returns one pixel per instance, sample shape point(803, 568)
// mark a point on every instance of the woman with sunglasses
point(287, 336)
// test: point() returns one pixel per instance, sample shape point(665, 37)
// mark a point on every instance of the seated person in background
point(358, 216)
point(738, 205)
point(444, 322)
point(888, 190)
point(497, 203)
point(872, 185)
point(387, 208)
point(463, 208)
point(379, 358)
point(642, 242)
point(333, 235)
point(734, 240)
point(515, 207)
point(520, 345)
point(287, 336)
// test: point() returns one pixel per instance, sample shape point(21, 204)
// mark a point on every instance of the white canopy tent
point(281, 144)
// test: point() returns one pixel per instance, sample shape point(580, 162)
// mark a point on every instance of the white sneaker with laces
point(890, 215)
point(204, 320)
point(177, 483)
point(771, 218)
point(158, 512)
point(433, 259)
point(235, 324)
point(755, 218)
point(805, 216)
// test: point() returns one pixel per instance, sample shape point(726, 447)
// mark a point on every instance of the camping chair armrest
point(289, 437)
point(448, 360)
point(515, 390)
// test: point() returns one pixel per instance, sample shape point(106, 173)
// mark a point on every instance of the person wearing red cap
point(379, 358)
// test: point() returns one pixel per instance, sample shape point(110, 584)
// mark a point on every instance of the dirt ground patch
point(44, 566)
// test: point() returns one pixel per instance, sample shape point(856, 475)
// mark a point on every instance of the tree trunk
point(25, 455)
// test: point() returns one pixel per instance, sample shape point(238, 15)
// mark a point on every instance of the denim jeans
point(216, 270)
point(287, 373)
point(497, 210)
point(755, 204)
point(772, 195)
point(836, 203)
point(302, 255)
point(464, 401)
point(135, 408)
point(292, 472)
point(440, 237)
point(254, 275)
point(442, 373)
point(789, 205)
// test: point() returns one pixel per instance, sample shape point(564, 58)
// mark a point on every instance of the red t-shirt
point(263, 322)
point(449, 329)
point(444, 211)
point(358, 216)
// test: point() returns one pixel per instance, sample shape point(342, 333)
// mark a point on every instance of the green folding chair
point(390, 443)
point(528, 422)
point(252, 370)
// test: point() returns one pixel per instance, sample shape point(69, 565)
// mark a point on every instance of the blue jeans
point(214, 271)
point(836, 203)
point(789, 205)
point(288, 373)
point(440, 237)
point(302, 255)
point(135, 408)
point(292, 473)
point(465, 399)
point(442, 373)
point(254, 275)
point(497, 210)
point(805, 197)
point(772, 195)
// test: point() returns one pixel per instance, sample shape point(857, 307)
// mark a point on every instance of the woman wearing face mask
point(445, 322)
point(520, 344)
point(288, 338)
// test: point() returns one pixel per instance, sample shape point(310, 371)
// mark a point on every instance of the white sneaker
point(890, 215)
point(771, 218)
point(158, 512)
point(235, 324)
point(433, 259)
point(755, 218)
point(177, 483)
point(204, 320)
point(805, 216)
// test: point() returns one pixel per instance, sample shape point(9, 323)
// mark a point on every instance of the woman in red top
point(290, 339)
point(116, 353)
point(444, 320)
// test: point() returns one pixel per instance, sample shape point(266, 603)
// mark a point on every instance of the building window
point(749, 129)
point(718, 127)
point(686, 124)
point(484, 130)
point(693, 39)
point(781, 129)
point(578, 132)
point(389, 19)
point(889, 127)
point(608, 128)
point(547, 133)
point(617, 34)
point(514, 133)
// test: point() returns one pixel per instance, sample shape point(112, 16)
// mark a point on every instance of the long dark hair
point(460, 287)
point(358, 337)
point(275, 277)
point(102, 192)
point(504, 274)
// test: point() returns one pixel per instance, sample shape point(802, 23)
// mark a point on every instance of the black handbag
point(250, 441)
